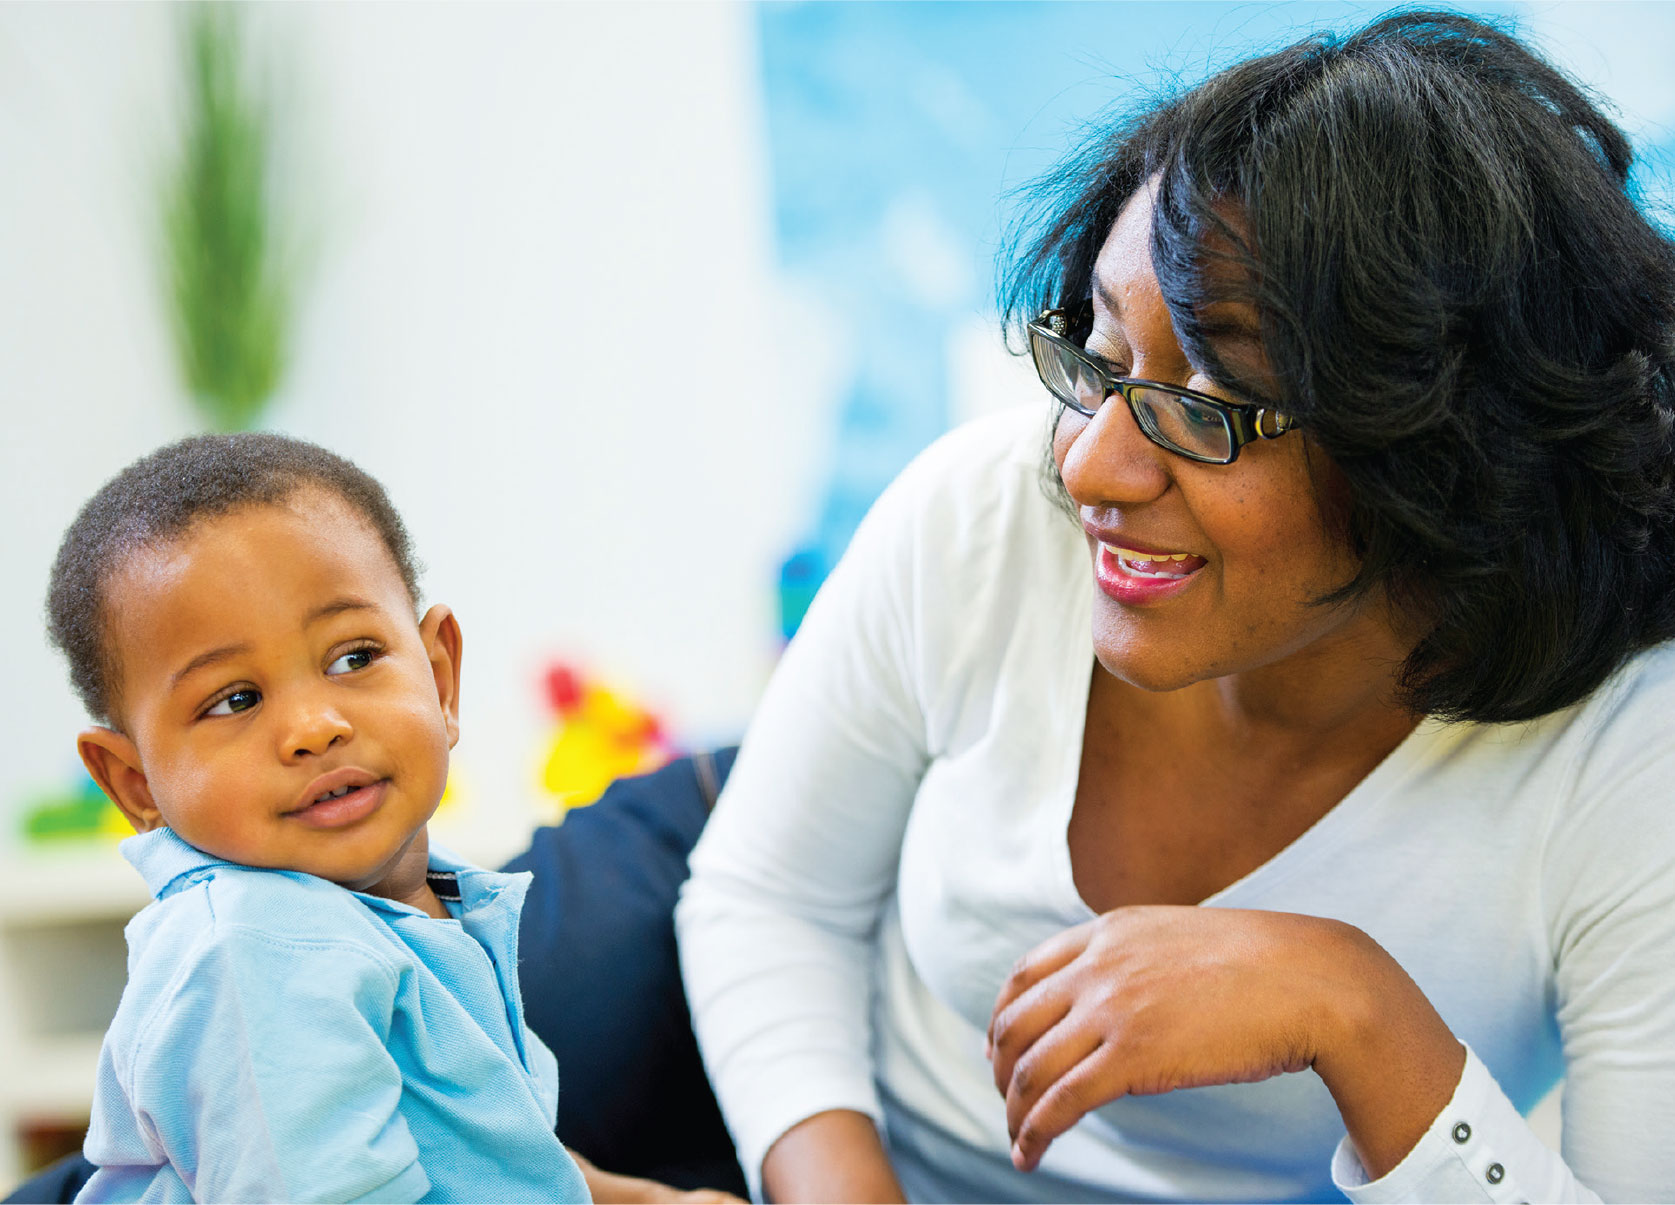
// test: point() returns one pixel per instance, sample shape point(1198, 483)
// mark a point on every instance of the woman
point(1349, 836)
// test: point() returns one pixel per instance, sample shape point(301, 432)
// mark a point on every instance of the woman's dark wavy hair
point(163, 495)
point(1460, 302)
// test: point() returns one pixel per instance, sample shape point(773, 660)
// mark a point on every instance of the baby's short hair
point(160, 496)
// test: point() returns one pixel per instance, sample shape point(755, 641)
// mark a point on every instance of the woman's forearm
point(833, 1156)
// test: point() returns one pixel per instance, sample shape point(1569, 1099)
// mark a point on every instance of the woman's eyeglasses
point(1183, 421)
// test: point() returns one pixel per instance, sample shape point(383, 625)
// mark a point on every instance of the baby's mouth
point(326, 792)
point(341, 806)
point(1164, 566)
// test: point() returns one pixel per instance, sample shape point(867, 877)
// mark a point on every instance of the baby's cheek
point(427, 743)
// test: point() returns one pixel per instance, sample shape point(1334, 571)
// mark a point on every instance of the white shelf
point(53, 1078)
point(62, 965)
point(87, 880)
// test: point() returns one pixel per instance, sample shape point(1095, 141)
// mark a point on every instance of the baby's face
point(286, 708)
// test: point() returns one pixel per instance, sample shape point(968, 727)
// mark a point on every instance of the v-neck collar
point(1414, 751)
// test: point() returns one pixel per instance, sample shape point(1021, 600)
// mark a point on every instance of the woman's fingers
point(1056, 952)
point(1015, 1029)
point(1060, 1104)
point(1045, 1064)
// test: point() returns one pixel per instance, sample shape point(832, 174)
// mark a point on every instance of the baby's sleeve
point(263, 1075)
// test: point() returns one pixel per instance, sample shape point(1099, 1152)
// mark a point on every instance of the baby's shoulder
point(231, 955)
point(225, 908)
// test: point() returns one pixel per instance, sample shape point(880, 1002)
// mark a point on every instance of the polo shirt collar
point(163, 858)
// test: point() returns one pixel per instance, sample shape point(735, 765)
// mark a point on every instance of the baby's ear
point(114, 762)
point(443, 643)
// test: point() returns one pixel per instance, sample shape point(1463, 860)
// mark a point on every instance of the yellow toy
point(601, 736)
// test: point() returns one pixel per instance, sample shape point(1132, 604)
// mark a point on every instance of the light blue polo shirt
point(284, 1039)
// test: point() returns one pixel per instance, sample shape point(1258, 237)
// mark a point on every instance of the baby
point(321, 1006)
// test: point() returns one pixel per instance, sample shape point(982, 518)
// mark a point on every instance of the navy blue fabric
point(59, 1182)
point(601, 985)
point(601, 980)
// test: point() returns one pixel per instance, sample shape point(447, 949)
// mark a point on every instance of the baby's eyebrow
point(337, 606)
point(225, 652)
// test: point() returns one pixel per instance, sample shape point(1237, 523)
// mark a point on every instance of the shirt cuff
point(1479, 1148)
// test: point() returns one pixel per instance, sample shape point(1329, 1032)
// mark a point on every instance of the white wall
point(538, 312)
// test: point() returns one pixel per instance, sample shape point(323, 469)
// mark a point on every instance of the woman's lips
point(341, 810)
point(1135, 579)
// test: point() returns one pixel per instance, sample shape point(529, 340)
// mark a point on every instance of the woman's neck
point(1343, 687)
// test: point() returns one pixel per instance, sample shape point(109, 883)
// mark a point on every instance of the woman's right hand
point(1146, 1000)
point(833, 1156)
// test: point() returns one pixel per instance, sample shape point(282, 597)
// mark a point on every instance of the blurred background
point(633, 308)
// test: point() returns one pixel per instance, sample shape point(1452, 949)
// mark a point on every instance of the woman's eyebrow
point(1109, 298)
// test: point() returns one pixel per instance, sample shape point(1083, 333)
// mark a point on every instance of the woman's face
point(1255, 544)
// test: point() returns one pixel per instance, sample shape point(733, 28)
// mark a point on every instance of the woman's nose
point(1108, 461)
point(314, 726)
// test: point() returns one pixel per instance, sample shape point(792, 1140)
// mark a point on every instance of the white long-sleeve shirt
point(893, 838)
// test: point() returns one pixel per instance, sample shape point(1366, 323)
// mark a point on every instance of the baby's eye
point(239, 700)
point(351, 661)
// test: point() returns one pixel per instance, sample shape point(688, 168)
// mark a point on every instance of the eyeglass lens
point(1182, 423)
point(1178, 423)
point(1070, 377)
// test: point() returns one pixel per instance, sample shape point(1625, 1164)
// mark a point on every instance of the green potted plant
point(230, 289)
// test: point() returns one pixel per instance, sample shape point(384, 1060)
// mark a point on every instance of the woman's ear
point(114, 762)
point(440, 631)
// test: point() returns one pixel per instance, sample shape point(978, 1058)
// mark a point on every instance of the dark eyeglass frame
point(1245, 423)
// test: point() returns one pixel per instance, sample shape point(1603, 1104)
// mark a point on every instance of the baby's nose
point(315, 730)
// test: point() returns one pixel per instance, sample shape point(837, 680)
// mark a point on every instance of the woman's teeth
point(337, 794)
point(1128, 554)
point(1150, 564)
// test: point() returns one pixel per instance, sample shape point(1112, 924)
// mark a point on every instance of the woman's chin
point(1146, 670)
